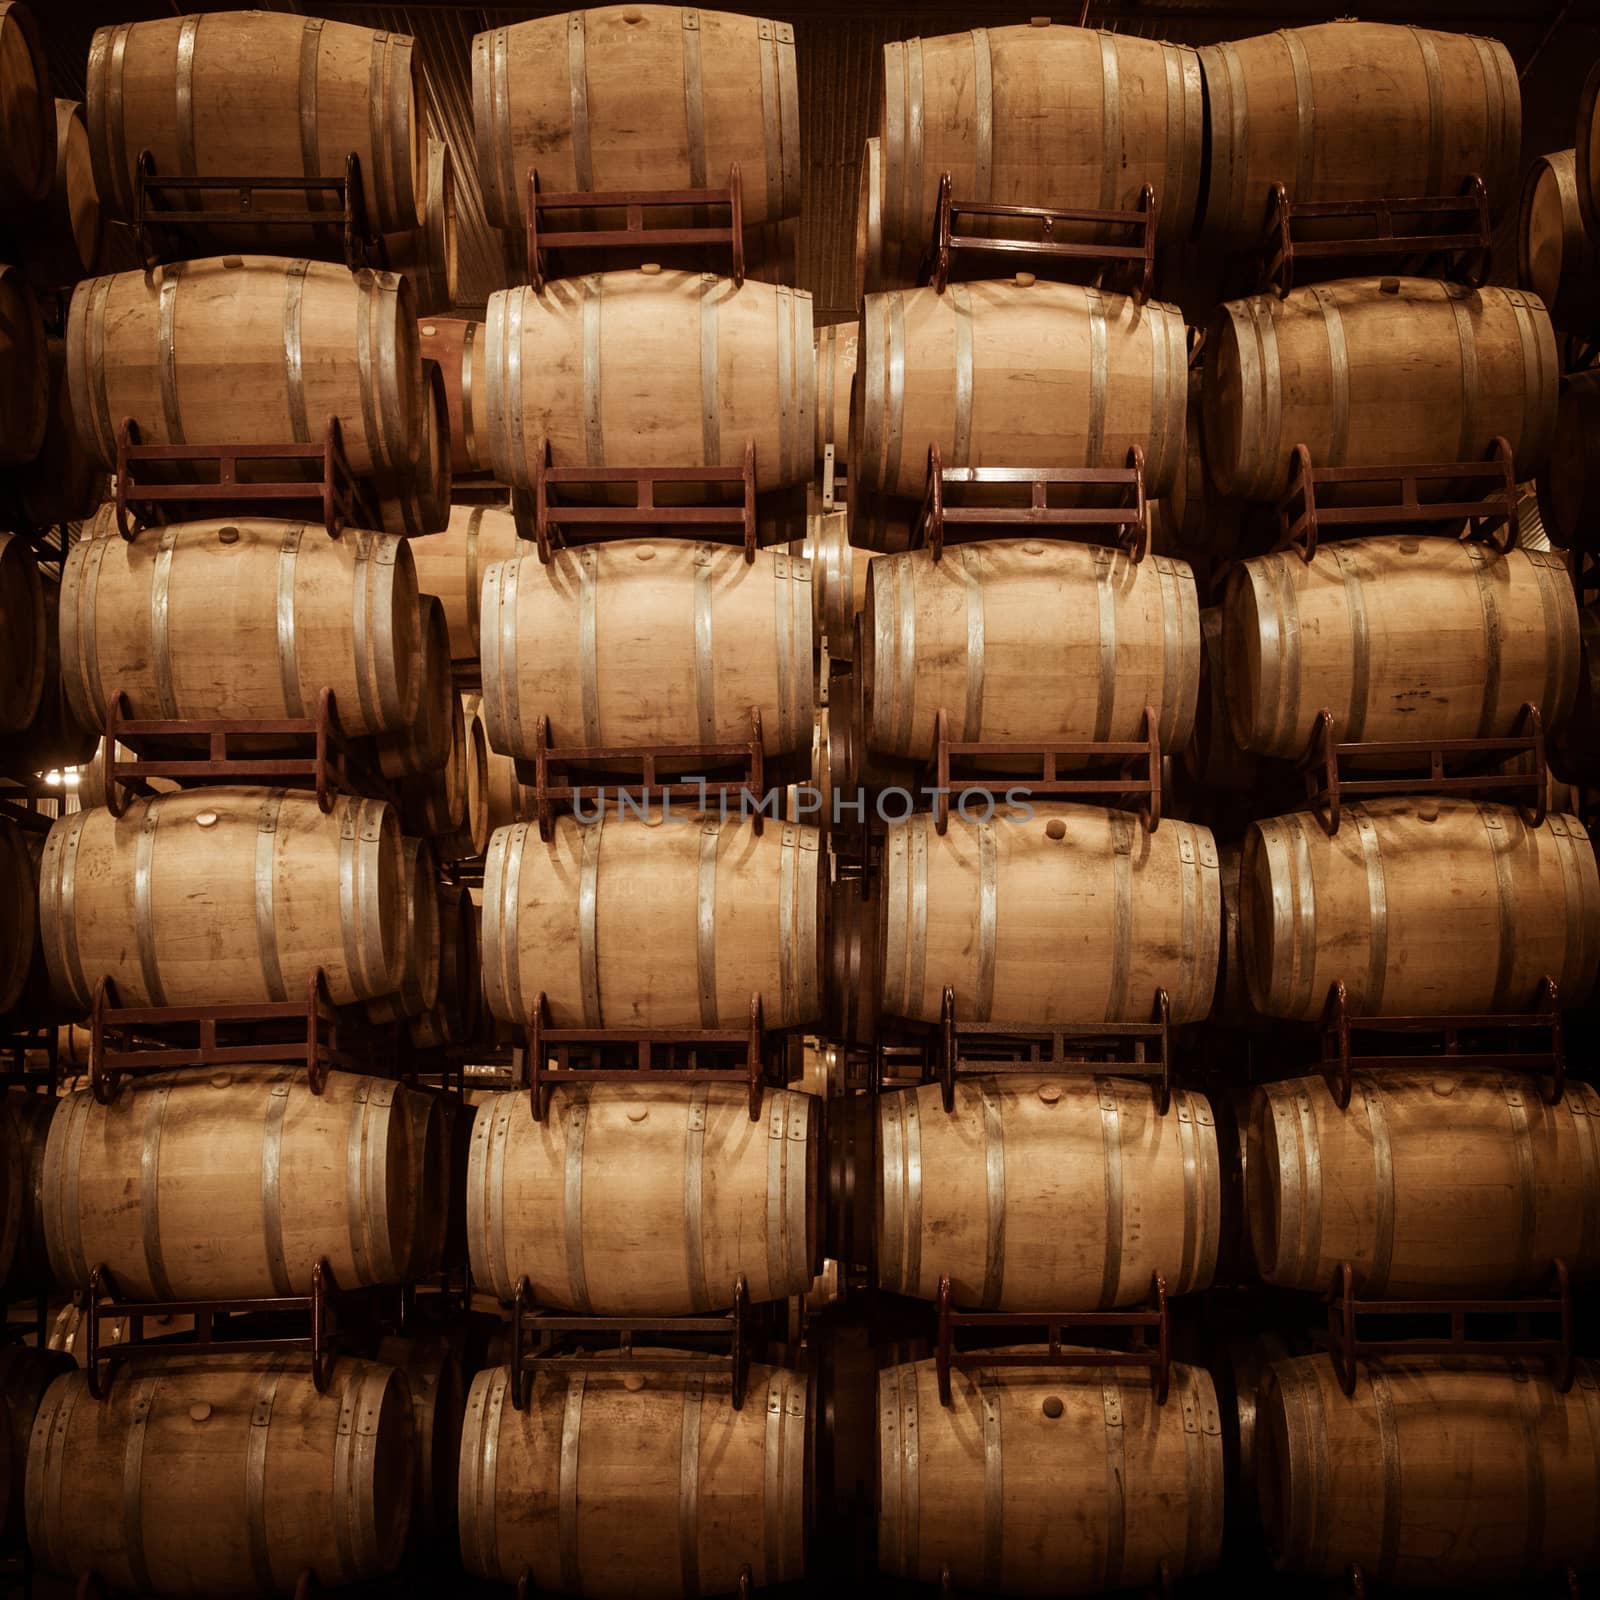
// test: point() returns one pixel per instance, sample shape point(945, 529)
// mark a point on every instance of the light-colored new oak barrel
point(224, 895)
point(27, 152)
point(645, 1485)
point(1074, 914)
point(1037, 115)
point(24, 367)
point(249, 1179)
point(1554, 256)
point(1430, 1184)
point(1568, 484)
point(1015, 373)
point(63, 230)
point(457, 344)
point(648, 641)
point(507, 798)
point(223, 1475)
point(26, 1372)
point(978, 1489)
point(637, 97)
point(259, 95)
point(1447, 1474)
point(438, 1404)
point(652, 368)
point(836, 366)
point(1353, 110)
point(1376, 372)
point(1013, 1158)
point(470, 835)
point(646, 1200)
point(22, 634)
point(452, 564)
point(419, 980)
point(240, 349)
point(626, 923)
point(1026, 639)
point(64, 482)
point(1420, 907)
point(1400, 638)
point(428, 254)
point(251, 617)
point(422, 743)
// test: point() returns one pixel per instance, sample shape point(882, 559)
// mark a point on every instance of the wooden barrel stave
point(428, 255)
point(422, 742)
point(458, 344)
point(27, 153)
point(415, 499)
point(438, 1406)
point(1554, 256)
point(469, 838)
point(452, 565)
point(419, 983)
point(456, 1016)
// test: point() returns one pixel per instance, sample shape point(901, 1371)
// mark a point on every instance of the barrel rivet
point(429, 329)
point(1052, 1406)
point(221, 1080)
point(206, 819)
point(651, 269)
point(1026, 280)
point(633, 1383)
point(1055, 828)
point(229, 535)
point(199, 1411)
point(638, 1113)
point(1444, 1086)
point(1389, 286)
point(645, 553)
point(1050, 1093)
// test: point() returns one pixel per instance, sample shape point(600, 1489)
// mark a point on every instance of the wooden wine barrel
point(422, 744)
point(259, 95)
point(26, 1373)
point(24, 358)
point(1568, 484)
point(1011, 1158)
point(836, 366)
point(27, 152)
point(838, 580)
point(1554, 256)
point(1586, 154)
point(428, 255)
point(636, 97)
point(870, 275)
point(652, 368)
point(224, 895)
point(1048, 912)
point(61, 241)
point(167, 348)
point(1145, 1482)
point(434, 800)
point(850, 978)
point(24, 1129)
point(251, 617)
point(415, 499)
point(22, 634)
point(1439, 1474)
point(1247, 1363)
point(1212, 759)
point(1015, 373)
point(456, 1015)
point(1037, 115)
point(452, 564)
point(1376, 372)
point(671, 926)
point(64, 482)
point(1353, 111)
point(470, 837)
point(506, 798)
point(1431, 1184)
point(621, 1485)
point(969, 635)
point(1193, 520)
point(1398, 637)
point(250, 1180)
point(438, 1406)
point(648, 641)
point(457, 344)
point(419, 982)
point(223, 1475)
point(1366, 908)
point(19, 913)
point(650, 1200)
point(1230, 1003)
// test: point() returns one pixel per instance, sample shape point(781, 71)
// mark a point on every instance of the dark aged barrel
point(27, 153)
point(1430, 1184)
point(24, 370)
point(1376, 372)
point(1554, 256)
point(223, 1475)
point(1008, 1162)
point(1400, 638)
point(645, 1484)
point(64, 482)
point(22, 634)
point(1568, 484)
point(1436, 1474)
point(25, 1118)
point(637, 97)
point(1365, 907)
point(26, 1373)
point(1352, 110)
point(255, 94)
point(1037, 115)
point(1586, 153)
point(61, 235)
point(438, 1403)
point(976, 1489)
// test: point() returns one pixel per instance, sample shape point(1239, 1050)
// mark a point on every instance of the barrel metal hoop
point(265, 894)
point(911, 1144)
point(1436, 111)
point(1192, 949)
point(988, 916)
point(510, 911)
point(1498, 821)
point(588, 917)
point(150, 1191)
point(1207, 1201)
point(1116, 1482)
point(272, 1184)
point(1542, 388)
point(486, 1477)
point(294, 366)
point(897, 931)
point(1270, 440)
point(1105, 702)
point(514, 421)
point(994, 1163)
point(506, 206)
point(588, 562)
point(1111, 152)
point(70, 1189)
point(160, 616)
point(1516, 1097)
point(1319, 1498)
point(706, 922)
point(896, 114)
point(105, 427)
point(504, 585)
point(1121, 825)
point(578, 85)
point(1338, 359)
point(1377, 911)
point(593, 428)
point(1575, 963)
point(400, 447)
point(1303, 884)
point(1355, 601)
point(576, 1119)
point(694, 1155)
point(469, 438)
point(255, 1476)
point(1561, 652)
point(785, 657)
point(1468, 444)
point(972, 576)
point(919, 828)
point(895, 361)
point(356, 1137)
point(1237, 162)
point(399, 139)
point(142, 1402)
point(1111, 1162)
point(918, 208)
point(86, 655)
point(1286, 623)
point(1310, 1142)
point(689, 1460)
point(994, 1484)
point(789, 865)
point(961, 311)
point(366, 373)
point(310, 76)
point(910, 1461)
point(711, 287)
point(890, 1149)
point(184, 88)
point(1305, 116)
point(46, 1503)
point(342, 1505)
point(383, 968)
point(903, 641)
point(1377, 1278)
point(796, 431)
point(1530, 1390)
point(288, 650)
point(1099, 376)
point(143, 904)
point(771, 118)
point(778, 1272)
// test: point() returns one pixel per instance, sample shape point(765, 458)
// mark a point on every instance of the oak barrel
point(1554, 256)
point(452, 565)
point(850, 984)
point(1586, 153)
point(1431, 1184)
point(26, 1372)
point(250, 617)
point(1400, 638)
point(456, 1016)
point(422, 743)
point(637, 97)
point(977, 1489)
point(224, 895)
point(1354, 111)
point(1568, 484)
point(1436, 1473)
point(624, 922)
point(469, 837)
point(836, 367)
point(1037, 115)
point(652, 368)
point(1376, 372)
point(1011, 1159)
point(428, 254)
point(870, 275)
point(647, 642)
point(1048, 912)
point(24, 1127)
point(22, 634)
point(24, 363)
point(838, 580)
point(415, 499)
point(639, 1486)
point(1017, 372)
point(27, 152)
point(419, 981)
point(259, 95)
point(433, 798)
point(242, 1475)
point(438, 1404)
point(457, 344)
point(61, 241)
point(247, 350)
point(1023, 640)
point(19, 913)
point(1420, 907)
point(64, 482)
point(506, 797)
